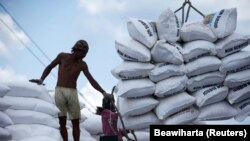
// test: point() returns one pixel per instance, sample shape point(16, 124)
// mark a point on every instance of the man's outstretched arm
point(48, 69)
point(92, 81)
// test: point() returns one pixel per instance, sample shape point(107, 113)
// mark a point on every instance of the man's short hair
point(80, 45)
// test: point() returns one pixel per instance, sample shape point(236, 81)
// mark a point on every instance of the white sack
point(22, 131)
point(196, 49)
point(237, 79)
point(132, 70)
point(239, 93)
point(164, 52)
point(163, 71)
point(5, 120)
point(168, 26)
point(139, 122)
point(27, 89)
point(4, 104)
point(231, 44)
point(235, 62)
point(33, 104)
point(38, 138)
point(243, 110)
point(222, 23)
point(217, 111)
point(170, 105)
point(142, 31)
point(135, 88)
point(132, 50)
point(136, 106)
point(93, 123)
point(197, 31)
point(31, 117)
point(5, 135)
point(185, 116)
point(4, 89)
point(210, 95)
point(172, 85)
point(203, 65)
point(205, 80)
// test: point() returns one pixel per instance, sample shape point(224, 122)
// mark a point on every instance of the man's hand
point(37, 81)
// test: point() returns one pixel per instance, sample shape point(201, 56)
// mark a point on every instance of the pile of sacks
point(181, 74)
point(28, 113)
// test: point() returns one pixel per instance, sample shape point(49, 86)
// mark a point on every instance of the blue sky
point(55, 25)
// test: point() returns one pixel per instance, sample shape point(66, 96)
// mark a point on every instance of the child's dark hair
point(108, 103)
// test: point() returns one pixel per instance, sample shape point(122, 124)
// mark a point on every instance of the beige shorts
point(67, 102)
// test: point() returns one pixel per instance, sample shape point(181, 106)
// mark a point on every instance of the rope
point(187, 2)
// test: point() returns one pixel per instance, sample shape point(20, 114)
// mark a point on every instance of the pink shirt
point(110, 128)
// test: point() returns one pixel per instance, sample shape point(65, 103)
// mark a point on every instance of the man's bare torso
point(69, 70)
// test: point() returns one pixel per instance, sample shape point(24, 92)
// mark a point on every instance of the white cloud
point(8, 37)
point(3, 49)
point(92, 95)
point(94, 7)
point(7, 74)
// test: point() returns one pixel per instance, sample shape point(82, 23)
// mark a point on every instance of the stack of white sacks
point(28, 113)
point(31, 113)
point(173, 74)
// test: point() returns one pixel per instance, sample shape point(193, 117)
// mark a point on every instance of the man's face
point(80, 53)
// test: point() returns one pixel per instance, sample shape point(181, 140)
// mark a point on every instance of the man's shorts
point(67, 102)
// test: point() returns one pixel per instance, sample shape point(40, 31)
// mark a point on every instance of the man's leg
point(76, 129)
point(63, 129)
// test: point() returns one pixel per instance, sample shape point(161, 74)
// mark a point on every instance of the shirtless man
point(70, 66)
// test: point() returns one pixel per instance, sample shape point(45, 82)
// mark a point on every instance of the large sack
point(217, 111)
point(132, 70)
point(197, 31)
point(135, 88)
point(231, 44)
point(31, 117)
point(5, 134)
point(3, 89)
point(243, 110)
point(205, 80)
point(210, 95)
point(132, 50)
point(170, 105)
point(139, 122)
point(164, 52)
point(237, 79)
point(93, 123)
point(4, 104)
point(185, 116)
point(84, 135)
point(38, 138)
point(203, 65)
point(22, 131)
point(236, 62)
point(163, 71)
point(168, 26)
point(196, 49)
point(27, 89)
point(170, 86)
point(34, 104)
point(142, 31)
point(222, 23)
point(5, 120)
point(239, 93)
point(136, 106)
